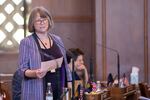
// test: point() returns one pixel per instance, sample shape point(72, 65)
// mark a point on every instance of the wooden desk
point(127, 93)
point(106, 95)
point(98, 96)
point(93, 96)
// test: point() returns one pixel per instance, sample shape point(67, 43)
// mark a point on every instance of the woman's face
point(79, 62)
point(41, 24)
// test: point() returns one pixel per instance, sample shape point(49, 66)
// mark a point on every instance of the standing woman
point(34, 50)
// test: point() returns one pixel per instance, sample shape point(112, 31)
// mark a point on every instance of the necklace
point(45, 43)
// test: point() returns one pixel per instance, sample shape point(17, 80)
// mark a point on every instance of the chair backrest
point(144, 89)
point(5, 95)
point(16, 86)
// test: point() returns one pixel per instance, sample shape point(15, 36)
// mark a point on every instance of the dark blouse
point(53, 77)
point(80, 75)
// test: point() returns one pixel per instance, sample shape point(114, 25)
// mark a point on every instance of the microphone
point(118, 60)
point(64, 93)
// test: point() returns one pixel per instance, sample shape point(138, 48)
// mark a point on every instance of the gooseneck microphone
point(118, 60)
point(64, 93)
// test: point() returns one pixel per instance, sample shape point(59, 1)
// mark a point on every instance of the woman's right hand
point(40, 73)
point(37, 73)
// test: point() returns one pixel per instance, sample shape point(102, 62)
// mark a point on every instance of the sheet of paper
point(59, 61)
point(51, 65)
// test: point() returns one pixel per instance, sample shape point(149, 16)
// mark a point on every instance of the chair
point(5, 86)
point(3, 92)
point(144, 89)
point(16, 86)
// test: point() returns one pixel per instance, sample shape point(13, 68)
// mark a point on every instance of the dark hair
point(110, 79)
point(69, 56)
point(73, 53)
point(43, 13)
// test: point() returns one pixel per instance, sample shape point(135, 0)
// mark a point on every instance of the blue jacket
point(29, 58)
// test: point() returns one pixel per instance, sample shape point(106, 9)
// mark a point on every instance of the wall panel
point(73, 21)
point(124, 33)
point(72, 18)
point(98, 18)
point(149, 40)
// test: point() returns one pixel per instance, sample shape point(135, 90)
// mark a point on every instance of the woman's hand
point(37, 73)
point(81, 67)
point(40, 73)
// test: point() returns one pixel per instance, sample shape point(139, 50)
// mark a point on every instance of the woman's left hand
point(81, 67)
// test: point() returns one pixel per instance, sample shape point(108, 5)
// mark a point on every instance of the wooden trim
point(25, 17)
point(93, 41)
point(104, 59)
point(146, 40)
point(75, 19)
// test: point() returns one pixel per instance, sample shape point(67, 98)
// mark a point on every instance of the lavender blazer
point(29, 58)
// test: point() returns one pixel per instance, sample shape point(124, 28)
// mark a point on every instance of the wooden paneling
point(104, 57)
point(123, 25)
point(98, 22)
point(73, 21)
point(72, 18)
point(8, 62)
point(66, 7)
point(126, 32)
point(149, 40)
point(146, 40)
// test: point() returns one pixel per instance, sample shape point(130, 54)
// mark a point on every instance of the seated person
point(123, 81)
point(80, 70)
point(110, 80)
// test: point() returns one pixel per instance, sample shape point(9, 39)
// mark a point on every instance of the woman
point(40, 50)
point(80, 71)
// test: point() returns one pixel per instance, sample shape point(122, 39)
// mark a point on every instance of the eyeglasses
point(41, 20)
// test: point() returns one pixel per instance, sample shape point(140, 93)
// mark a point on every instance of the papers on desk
point(51, 65)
